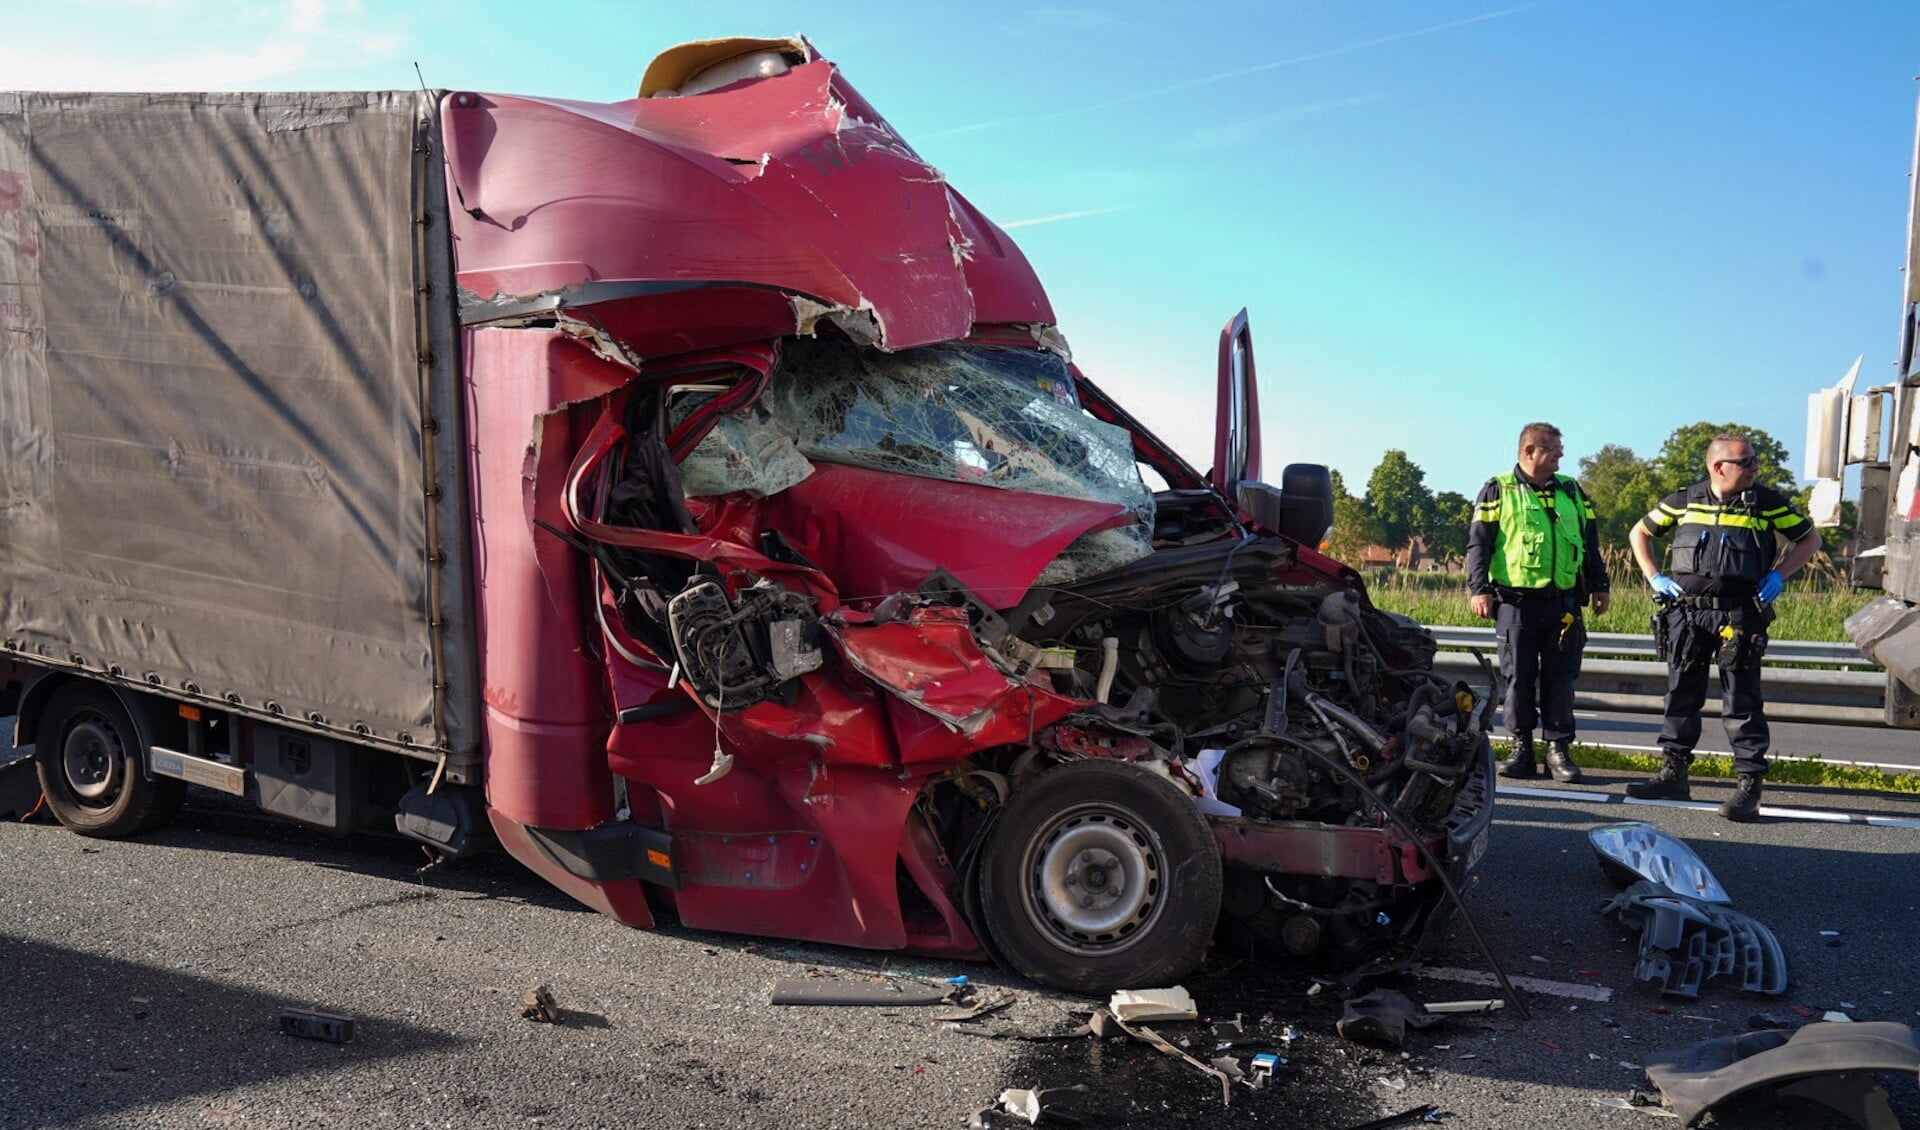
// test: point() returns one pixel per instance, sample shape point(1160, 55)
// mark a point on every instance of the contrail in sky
point(1331, 52)
point(1257, 68)
point(1057, 217)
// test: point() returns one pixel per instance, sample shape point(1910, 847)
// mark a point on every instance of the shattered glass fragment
point(747, 450)
point(989, 415)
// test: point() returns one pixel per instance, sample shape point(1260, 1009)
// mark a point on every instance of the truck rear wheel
point(91, 764)
point(1101, 876)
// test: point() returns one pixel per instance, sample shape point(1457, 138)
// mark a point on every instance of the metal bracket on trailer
point(198, 770)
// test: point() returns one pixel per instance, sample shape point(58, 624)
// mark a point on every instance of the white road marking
point(1818, 815)
point(1599, 993)
point(1891, 765)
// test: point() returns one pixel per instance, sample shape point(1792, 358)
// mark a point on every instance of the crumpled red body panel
point(933, 663)
point(799, 840)
point(876, 533)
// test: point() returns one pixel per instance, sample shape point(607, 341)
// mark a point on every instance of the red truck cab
point(808, 588)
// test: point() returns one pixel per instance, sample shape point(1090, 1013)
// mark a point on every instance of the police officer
point(1533, 558)
point(1716, 604)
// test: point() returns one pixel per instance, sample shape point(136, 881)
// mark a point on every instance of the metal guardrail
point(1641, 647)
point(1853, 694)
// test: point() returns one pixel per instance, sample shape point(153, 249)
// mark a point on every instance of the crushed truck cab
point(746, 542)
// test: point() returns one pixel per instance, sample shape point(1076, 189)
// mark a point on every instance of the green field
point(1815, 606)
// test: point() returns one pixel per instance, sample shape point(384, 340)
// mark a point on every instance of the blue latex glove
point(1771, 586)
point(1666, 586)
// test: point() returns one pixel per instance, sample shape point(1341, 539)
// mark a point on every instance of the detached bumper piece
point(1684, 941)
point(1823, 1063)
point(1383, 1017)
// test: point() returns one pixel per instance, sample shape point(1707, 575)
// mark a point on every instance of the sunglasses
point(1749, 461)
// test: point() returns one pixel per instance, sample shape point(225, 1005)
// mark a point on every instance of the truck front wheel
point(1101, 876)
point(90, 760)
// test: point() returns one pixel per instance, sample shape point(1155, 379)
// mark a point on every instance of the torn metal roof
point(791, 184)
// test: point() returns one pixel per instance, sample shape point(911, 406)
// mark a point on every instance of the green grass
point(1815, 606)
point(1811, 771)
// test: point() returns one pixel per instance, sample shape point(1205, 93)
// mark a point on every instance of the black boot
point(1560, 762)
point(1519, 763)
point(1668, 784)
point(1743, 807)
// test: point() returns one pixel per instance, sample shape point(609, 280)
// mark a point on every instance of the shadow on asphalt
point(211, 822)
point(90, 1037)
point(1325, 1082)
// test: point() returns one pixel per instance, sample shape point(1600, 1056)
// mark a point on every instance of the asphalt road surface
point(1895, 750)
point(141, 980)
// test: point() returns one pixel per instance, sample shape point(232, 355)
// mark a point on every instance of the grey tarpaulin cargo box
point(231, 454)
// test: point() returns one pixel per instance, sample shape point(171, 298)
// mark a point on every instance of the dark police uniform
point(1536, 549)
point(1722, 551)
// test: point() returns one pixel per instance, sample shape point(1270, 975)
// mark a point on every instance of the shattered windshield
point(988, 415)
point(966, 413)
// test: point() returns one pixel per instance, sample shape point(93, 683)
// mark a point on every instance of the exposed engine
point(1282, 703)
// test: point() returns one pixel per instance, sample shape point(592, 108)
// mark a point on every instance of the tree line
point(1398, 506)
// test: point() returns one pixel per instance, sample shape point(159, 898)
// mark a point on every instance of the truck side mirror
point(1827, 412)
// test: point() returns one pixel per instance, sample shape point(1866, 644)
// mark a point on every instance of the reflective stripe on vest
point(1539, 546)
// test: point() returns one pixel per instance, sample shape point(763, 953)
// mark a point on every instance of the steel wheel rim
point(93, 760)
point(1093, 879)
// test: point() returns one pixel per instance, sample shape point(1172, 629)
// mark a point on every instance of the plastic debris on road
point(1134, 1006)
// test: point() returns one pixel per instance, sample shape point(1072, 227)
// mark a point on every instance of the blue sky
point(1446, 218)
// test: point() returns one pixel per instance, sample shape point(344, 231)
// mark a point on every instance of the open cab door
point(1236, 421)
point(1302, 506)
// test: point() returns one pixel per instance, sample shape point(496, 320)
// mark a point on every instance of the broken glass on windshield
point(988, 415)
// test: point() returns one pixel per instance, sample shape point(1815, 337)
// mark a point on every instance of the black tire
point(1101, 876)
point(92, 767)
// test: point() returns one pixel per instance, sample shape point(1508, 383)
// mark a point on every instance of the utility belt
point(1572, 636)
point(1715, 603)
point(1545, 595)
point(1734, 643)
